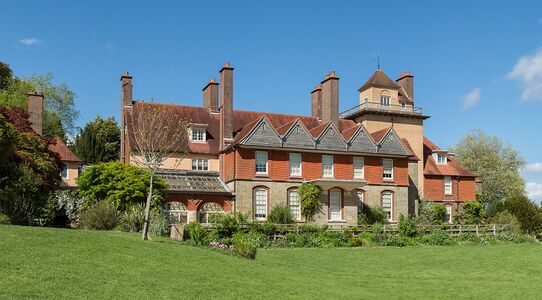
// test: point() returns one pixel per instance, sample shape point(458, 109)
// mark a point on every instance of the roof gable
point(263, 134)
point(298, 136)
point(362, 141)
point(331, 139)
point(379, 79)
point(392, 144)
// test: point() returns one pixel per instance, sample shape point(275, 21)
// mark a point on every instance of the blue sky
point(477, 64)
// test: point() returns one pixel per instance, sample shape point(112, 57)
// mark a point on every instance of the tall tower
point(386, 103)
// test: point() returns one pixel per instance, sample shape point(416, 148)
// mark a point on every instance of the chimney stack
point(226, 100)
point(126, 89)
point(35, 110)
point(406, 80)
point(316, 97)
point(210, 96)
point(330, 99)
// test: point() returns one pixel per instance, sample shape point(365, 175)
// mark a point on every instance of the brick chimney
point(226, 100)
point(210, 96)
point(126, 89)
point(330, 99)
point(406, 80)
point(35, 110)
point(125, 100)
point(316, 97)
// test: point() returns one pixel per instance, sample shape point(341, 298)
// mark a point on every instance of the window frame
point(362, 160)
point(64, 172)
point(266, 162)
point(386, 103)
point(298, 216)
point(384, 172)
point(448, 186)
point(332, 166)
point(195, 129)
point(300, 156)
point(254, 201)
point(448, 215)
point(204, 166)
point(341, 203)
point(444, 159)
point(392, 198)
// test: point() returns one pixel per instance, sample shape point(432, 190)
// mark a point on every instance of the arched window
point(260, 203)
point(335, 204)
point(385, 99)
point(294, 202)
point(177, 212)
point(207, 210)
point(361, 200)
point(387, 204)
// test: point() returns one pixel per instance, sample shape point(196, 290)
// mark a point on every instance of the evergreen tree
point(99, 141)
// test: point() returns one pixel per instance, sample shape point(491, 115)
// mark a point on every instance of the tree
point(495, 163)
point(60, 113)
point(527, 213)
point(157, 133)
point(5, 75)
point(309, 193)
point(28, 169)
point(116, 183)
point(99, 141)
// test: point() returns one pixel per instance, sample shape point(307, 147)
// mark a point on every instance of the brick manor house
point(372, 154)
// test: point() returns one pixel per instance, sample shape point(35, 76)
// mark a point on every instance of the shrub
point(373, 215)
point(70, 202)
point(506, 218)
point(366, 238)
point(430, 213)
point(396, 241)
point(259, 239)
point(244, 248)
point(226, 225)
point(309, 193)
point(4, 219)
point(132, 219)
point(528, 214)
point(281, 214)
point(196, 233)
point(408, 226)
point(101, 216)
point(471, 212)
point(439, 237)
point(158, 222)
point(362, 219)
point(355, 241)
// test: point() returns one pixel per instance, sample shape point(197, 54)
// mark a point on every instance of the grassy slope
point(58, 263)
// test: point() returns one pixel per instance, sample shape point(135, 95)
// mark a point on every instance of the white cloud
point(471, 99)
point(528, 71)
point(30, 41)
point(534, 167)
point(534, 191)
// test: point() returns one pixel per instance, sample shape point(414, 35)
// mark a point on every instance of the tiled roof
point(379, 79)
point(193, 181)
point(452, 168)
point(63, 151)
point(378, 135)
point(241, 123)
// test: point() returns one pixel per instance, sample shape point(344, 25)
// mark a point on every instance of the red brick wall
point(463, 189)
point(229, 165)
point(279, 167)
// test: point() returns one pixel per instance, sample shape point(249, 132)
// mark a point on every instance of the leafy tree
point(60, 113)
point(496, 163)
point(527, 213)
point(309, 194)
point(471, 212)
point(99, 141)
point(430, 213)
point(116, 183)
point(5, 75)
point(28, 170)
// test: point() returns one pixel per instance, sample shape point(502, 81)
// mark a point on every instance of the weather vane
point(376, 57)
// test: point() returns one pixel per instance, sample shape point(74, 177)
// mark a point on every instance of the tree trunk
point(145, 235)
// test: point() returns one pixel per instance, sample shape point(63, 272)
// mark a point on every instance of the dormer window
point(198, 133)
point(440, 157)
point(385, 101)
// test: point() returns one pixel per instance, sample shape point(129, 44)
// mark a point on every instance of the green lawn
point(62, 263)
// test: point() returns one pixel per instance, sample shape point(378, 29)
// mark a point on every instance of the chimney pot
point(316, 99)
point(406, 81)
